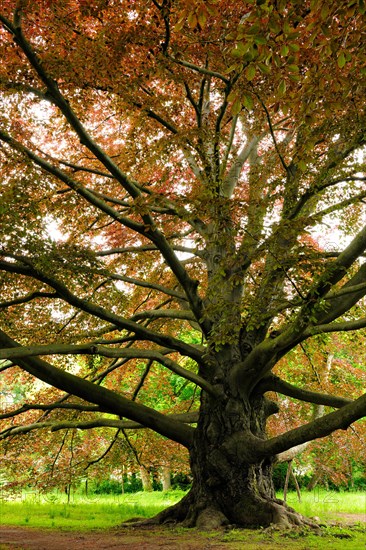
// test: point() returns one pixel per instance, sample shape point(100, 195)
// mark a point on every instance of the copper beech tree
point(174, 168)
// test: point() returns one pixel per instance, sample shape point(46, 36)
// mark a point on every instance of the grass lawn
point(103, 511)
point(51, 511)
point(92, 512)
point(326, 505)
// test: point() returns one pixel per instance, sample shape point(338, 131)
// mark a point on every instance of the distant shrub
point(181, 481)
point(356, 482)
point(131, 484)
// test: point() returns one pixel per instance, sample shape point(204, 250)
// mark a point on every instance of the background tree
point(336, 366)
point(202, 163)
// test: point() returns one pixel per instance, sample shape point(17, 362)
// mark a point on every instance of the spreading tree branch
point(318, 428)
point(274, 383)
point(201, 70)
point(54, 426)
point(92, 393)
point(97, 311)
point(52, 406)
point(149, 228)
point(28, 298)
point(15, 353)
point(252, 449)
point(263, 357)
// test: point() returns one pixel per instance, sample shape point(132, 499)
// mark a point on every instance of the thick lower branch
point(346, 326)
point(274, 383)
point(252, 449)
point(318, 428)
point(343, 299)
point(85, 305)
point(187, 418)
point(20, 430)
point(92, 393)
point(95, 349)
point(50, 407)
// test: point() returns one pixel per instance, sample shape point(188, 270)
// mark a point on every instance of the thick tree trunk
point(228, 490)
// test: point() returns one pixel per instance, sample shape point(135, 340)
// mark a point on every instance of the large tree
point(173, 168)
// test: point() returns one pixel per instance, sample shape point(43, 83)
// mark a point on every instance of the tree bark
point(146, 479)
point(166, 478)
point(227, 488)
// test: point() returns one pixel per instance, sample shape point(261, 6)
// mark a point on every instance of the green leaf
point(233, 95)
point(231, 68)
point(202, 18)
point(277, 60)
point(212, 10)
point(341, 60)
point(284, 50)
point(248, 101)
point(260, 40)
point(294, 47)
point(254, 29)
point(236, 108)
point(241, 48)
point(294, 77)
point(192, 20)
point(325, 11)
point(281, 88)
point(244, 47)
point(264, 68)
point(268, 59)
point(274, 27)
point(250, 72)
point(293, 68)
point(287, 28)
point(180, 24)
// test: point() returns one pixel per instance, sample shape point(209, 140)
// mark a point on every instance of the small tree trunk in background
point(290, 473)
point(352, 479)
point(313, 482)
point(165, 478)
point(318, 412)
point(146, 479)
point(68, 492)
point(296, 485)
point(286, 481)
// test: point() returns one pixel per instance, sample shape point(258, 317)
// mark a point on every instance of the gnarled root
point(250, 512)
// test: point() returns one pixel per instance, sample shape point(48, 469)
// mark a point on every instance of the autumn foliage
point(183, 233)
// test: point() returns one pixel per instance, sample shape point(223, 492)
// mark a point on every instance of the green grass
point(105, 511)
point(332, 538)
point(327, 504)
point(95, 512)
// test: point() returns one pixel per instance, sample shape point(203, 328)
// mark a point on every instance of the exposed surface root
point(211, 518)
point(249, 513)
point(286, 518)
point(260, 512)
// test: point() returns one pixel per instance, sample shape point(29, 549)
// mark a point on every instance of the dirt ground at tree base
point(152, 538)
point(18, 538)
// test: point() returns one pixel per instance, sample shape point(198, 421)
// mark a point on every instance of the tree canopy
point(183, 188)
